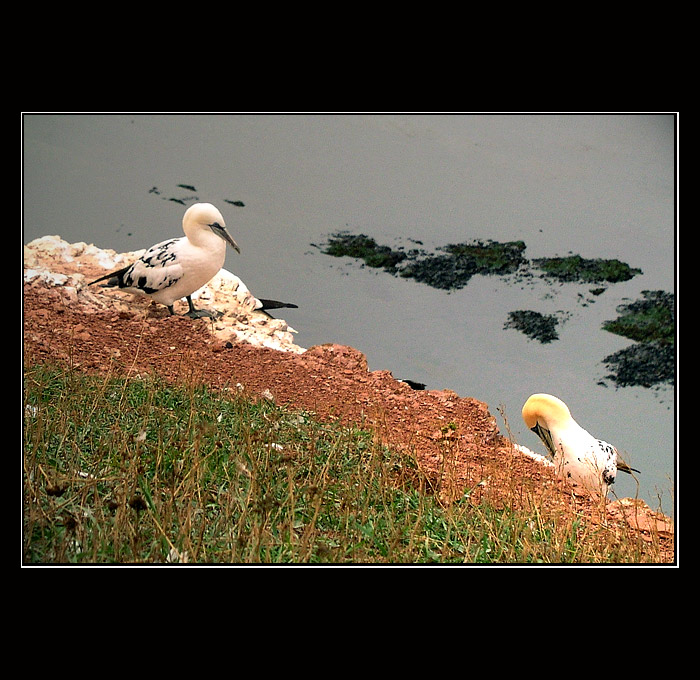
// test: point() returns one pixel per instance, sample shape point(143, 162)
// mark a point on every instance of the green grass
point(123, 470)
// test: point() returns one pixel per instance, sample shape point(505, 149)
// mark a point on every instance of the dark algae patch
point(451, 266)
point(364, 248)
point(453, 269)
point(542, 327)
point(643, 365)
point(449, 269)
point(651, 319)
point(581, 270)
point(651, 323)
point(490, 257)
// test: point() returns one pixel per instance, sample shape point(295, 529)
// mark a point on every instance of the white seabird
point(578, 456)
point(176, 268)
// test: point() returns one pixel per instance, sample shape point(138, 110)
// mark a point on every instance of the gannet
point(176, 268)
point(578, 456)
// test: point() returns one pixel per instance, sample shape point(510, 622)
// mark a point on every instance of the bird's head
point(542, 413)
point(202, 218)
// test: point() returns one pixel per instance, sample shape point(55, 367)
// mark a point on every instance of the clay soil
point(454, 440)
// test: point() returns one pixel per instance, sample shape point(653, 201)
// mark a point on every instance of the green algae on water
point(650, 319)
point(449, 269)
point(650, 322)
point(643, 364)
point(453, 265)
point(363, 247)
point(535, 325)
point(490, 257)
point(461, 261)
point(582, 270)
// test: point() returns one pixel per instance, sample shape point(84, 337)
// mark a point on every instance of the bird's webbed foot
point(200, 313)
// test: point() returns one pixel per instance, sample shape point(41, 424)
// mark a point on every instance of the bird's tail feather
point(275, 304)
point(621, 465)
point(115, 278)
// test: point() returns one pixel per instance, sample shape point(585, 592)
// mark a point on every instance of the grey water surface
point(594, 185)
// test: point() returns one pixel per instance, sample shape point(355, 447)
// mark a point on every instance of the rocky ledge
point(65, 269)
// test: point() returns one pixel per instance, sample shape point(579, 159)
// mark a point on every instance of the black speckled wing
point(156, 270)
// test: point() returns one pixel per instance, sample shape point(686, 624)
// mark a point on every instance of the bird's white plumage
point(176, 268)
point(578, 456)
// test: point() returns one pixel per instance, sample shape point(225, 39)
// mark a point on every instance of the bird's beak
point(546, 436)
point(221, 231)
